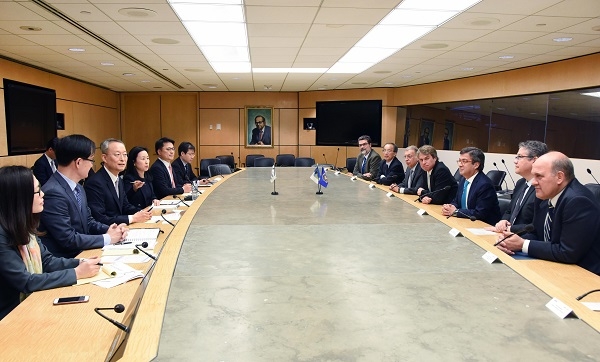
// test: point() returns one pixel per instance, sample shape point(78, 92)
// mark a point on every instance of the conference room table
point(353, 274)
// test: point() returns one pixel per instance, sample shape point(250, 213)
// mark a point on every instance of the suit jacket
point(482, 201)
point(440, 178)
point(42, 169)
point(394, 174)
point(372, 166)
point(14, 277)
point(266, 138)
point(161, 180)
point(182, 174)
point(521, 213)
point(144, 196)
point(419, 179)
point(106, 206)
point(68, 229)
point(575, 231)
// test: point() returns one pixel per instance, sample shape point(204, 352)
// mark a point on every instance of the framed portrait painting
point(259, 126)
point(448, 135)
point(426, 132)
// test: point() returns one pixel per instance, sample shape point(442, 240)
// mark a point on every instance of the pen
point(151, 207)
point(504, 238)
point(99, 264)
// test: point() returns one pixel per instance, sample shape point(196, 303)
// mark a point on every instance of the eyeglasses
point(519, 157)
point(38, 192)
point(119, 155)
point(362, 144)
point(87, 159)
point(462, 161)
point(170, 149)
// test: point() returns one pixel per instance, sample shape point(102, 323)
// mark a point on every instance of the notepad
point(116, 270)
point(138, 236)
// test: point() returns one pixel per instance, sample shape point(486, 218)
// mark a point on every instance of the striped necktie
point(548, 222)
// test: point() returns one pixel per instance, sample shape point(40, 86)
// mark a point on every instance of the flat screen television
point(340, 123)
point(30, 117)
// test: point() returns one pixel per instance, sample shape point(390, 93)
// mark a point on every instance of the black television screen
point(340, 123)
point(30, 117)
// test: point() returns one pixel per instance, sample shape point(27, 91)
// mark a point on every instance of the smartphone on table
point(71, 300)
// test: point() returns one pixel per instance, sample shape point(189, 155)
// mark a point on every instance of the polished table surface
point(350, 275)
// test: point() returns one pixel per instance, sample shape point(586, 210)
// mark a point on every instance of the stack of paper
point(113, 274)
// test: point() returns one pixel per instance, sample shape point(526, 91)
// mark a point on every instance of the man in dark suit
point(67, 220)
point(566, 217)
point(261, 135)
point(391, 169)
point(520, 211)
point(414, 176)
point(476, 195)
point(106, 192)
point(182, 166)
point(45, 166)
point(163, 178)
point(437, 177)
point(368, 161)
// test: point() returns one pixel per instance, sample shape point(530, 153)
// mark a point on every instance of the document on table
point(480, 231)
point(127, 259)
point(173, 216)
point(112, 274)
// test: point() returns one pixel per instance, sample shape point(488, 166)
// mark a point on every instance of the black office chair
point(227, 160)
point(350, 163)
point(457, 176)
point(264, 162)
point(504, 205)
point(218, 169)
point(497, 178)
point(304, 162)
point(595, 189)
point(250, 159)
point(285, 160)
point(204, 163)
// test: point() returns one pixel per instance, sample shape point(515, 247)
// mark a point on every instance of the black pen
point(99, 264)
point(504, 238)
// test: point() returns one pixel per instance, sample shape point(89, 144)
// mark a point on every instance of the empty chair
point(457, 175)
point(304, 162)
point(250, 159)
point(504, 205)
point(227, 160)
point(595, 189)
point(497, 178)
point(204, 163)
point(218, 169)
point(264, 162)
point(350, 163)
point(285, 160)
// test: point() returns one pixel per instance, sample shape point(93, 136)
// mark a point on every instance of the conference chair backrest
point(285, 160)
point(350, 163)
point(218, 169)
point(204, 163)
point(497, 177)
point(250, 159)
point(227, 160)
point(304, 162)
point(264, 162)
point(595, 189)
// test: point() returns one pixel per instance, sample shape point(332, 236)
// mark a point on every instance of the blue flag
point(316, 175)
point(323, 177)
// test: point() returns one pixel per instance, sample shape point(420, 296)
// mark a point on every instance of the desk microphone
point(180, 200)
point(457, 211)
point(420, 198)
point(511, 178)
point(145, 245)
point(590, 172)
point(526, 229)
point(336, 159)
point(162, 214)
point(325, 158)
point(119, 308)
point(504, 180)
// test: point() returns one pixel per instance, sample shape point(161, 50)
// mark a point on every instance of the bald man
point(566, 217)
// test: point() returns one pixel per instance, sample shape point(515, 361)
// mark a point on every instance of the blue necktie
point(364, 163)
point(77, 193)
point(463, 200)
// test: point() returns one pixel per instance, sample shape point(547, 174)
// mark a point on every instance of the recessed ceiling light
point(107, 63)
point(128, 74)
point(77, 50)
point(596, 28)
point(137, 12)
point(482, 21)
point(165, 41)
point(388, 83)
point(157, 87)
point(540, 24)
point(506, 57)
point(562, 39)
point(193, 70)
point(359, 83)
point(30, 28)
point(145, 81)
point(321, 88)
point(382, 71)
point(407, 76)
point(85, 12)
point(467, 68)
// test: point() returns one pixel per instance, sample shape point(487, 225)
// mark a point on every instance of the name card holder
point(390, 194)
point(490, 257)
point(372, 186)
point(455, 232)
point(559, 308)
point(353, 178)
point(422, 212)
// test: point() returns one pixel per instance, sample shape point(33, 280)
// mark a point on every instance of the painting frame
point(448, 144)
point(253, 137)
point(426, 129)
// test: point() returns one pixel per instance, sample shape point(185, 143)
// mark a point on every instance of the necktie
point(171, 175)
point(428, 181)
point(117, 186)
point(385, 169)
point(260, 134)
point(463, 199)
point(77, 193)
point(53, 165)
point(410, 175)
point(364, 163)
point(548, 222)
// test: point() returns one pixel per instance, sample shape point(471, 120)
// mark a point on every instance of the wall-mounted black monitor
point(342, 122)
point(30, 117)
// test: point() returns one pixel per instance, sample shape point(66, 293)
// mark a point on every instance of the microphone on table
point(181, 200)
point(325, 158)
point(420, 198)
point(526, 229)
point(234, 165)
point(499, 171)
point(590, 172)
point(162, 214)
point(336, 159)
point(119, 308)
point(144, 245)
point(511, 178)
point(457, 211)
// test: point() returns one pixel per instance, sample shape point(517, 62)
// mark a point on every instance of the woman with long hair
point(138, 183)
point(26, 265)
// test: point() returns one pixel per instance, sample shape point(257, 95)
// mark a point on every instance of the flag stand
point(273, 179)
point(274, 192)
point(319, 192)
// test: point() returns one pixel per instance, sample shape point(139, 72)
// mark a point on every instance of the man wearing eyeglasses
point(261, 135)
point(520, 211)
point(67, 220)
point(476, 195)
point(163, 178)
point(106, 192)
point(368, 161)
point(391, 169)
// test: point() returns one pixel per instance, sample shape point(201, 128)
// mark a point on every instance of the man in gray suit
point(368, 161)
point(67, 220)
